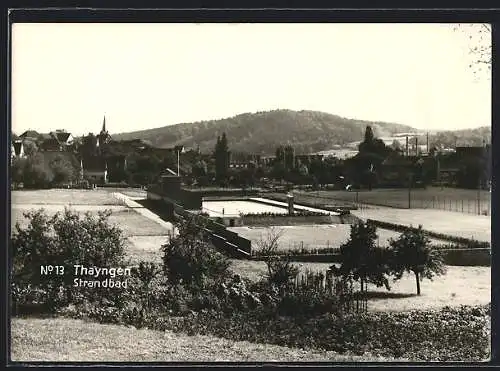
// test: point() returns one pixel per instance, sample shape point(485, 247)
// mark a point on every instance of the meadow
point(448, 222)
point(460, 285)
point(70, 340)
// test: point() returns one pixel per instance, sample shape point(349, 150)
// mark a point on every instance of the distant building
point(17, 149)
point(30, 135)
point(94, 169)
point(58, 140)
point(267, 160)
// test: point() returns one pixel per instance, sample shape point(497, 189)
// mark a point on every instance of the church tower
point(103, 136)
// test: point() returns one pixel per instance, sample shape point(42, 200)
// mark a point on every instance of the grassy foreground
point(69, 340)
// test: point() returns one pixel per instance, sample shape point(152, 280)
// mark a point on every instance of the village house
point(17, 149)
point(94, 169)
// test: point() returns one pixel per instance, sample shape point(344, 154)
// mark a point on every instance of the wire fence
point(475, 203)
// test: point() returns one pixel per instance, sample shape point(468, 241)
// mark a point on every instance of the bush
point(189, 258)
point(64, 240)
point(449, 334)
point(280, 271)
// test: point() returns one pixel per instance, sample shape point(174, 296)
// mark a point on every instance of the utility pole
point(178, 162)
point(409, 190)
point(479, 196)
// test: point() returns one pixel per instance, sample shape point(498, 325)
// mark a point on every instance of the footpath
point(130, 203)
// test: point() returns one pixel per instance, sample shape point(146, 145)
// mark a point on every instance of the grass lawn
point(134, 224)
point(131, 222)
point(310, 236)
point(457, 224)
point(454, 199)
point(64, 197)
point(460, 285)
point(145, 248)
point(63, 340)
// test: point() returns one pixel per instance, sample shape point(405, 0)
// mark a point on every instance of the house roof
point(45, 136)
point(17, 145)
point(29, 134)
point(61, 136)
point(51, 141)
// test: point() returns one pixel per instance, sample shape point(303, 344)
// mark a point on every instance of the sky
point(141, 76)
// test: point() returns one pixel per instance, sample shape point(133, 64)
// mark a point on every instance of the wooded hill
point(262, 132)
point(307, 131)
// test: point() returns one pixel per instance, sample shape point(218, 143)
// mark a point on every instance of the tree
point(285, 155)
point(280, 271)
point(221, 159)
point(369, 137)
point(62, 169)
point(412, 252)
point(480, 45)
point(190, 259)
point(362, 259)
point(36, 172)
point(17, 170)
point(30, 148)
point(396, 145)
point(200, 169)
point(89, 145)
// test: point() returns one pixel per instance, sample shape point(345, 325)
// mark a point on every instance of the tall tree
point(369, 135)
point(361, 258)
point(62, 169)
point(37, 173)
point(221, 159)
point(412, 252)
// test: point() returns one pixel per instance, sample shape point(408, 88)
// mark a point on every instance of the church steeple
point(103, 136)
point(104, 125)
